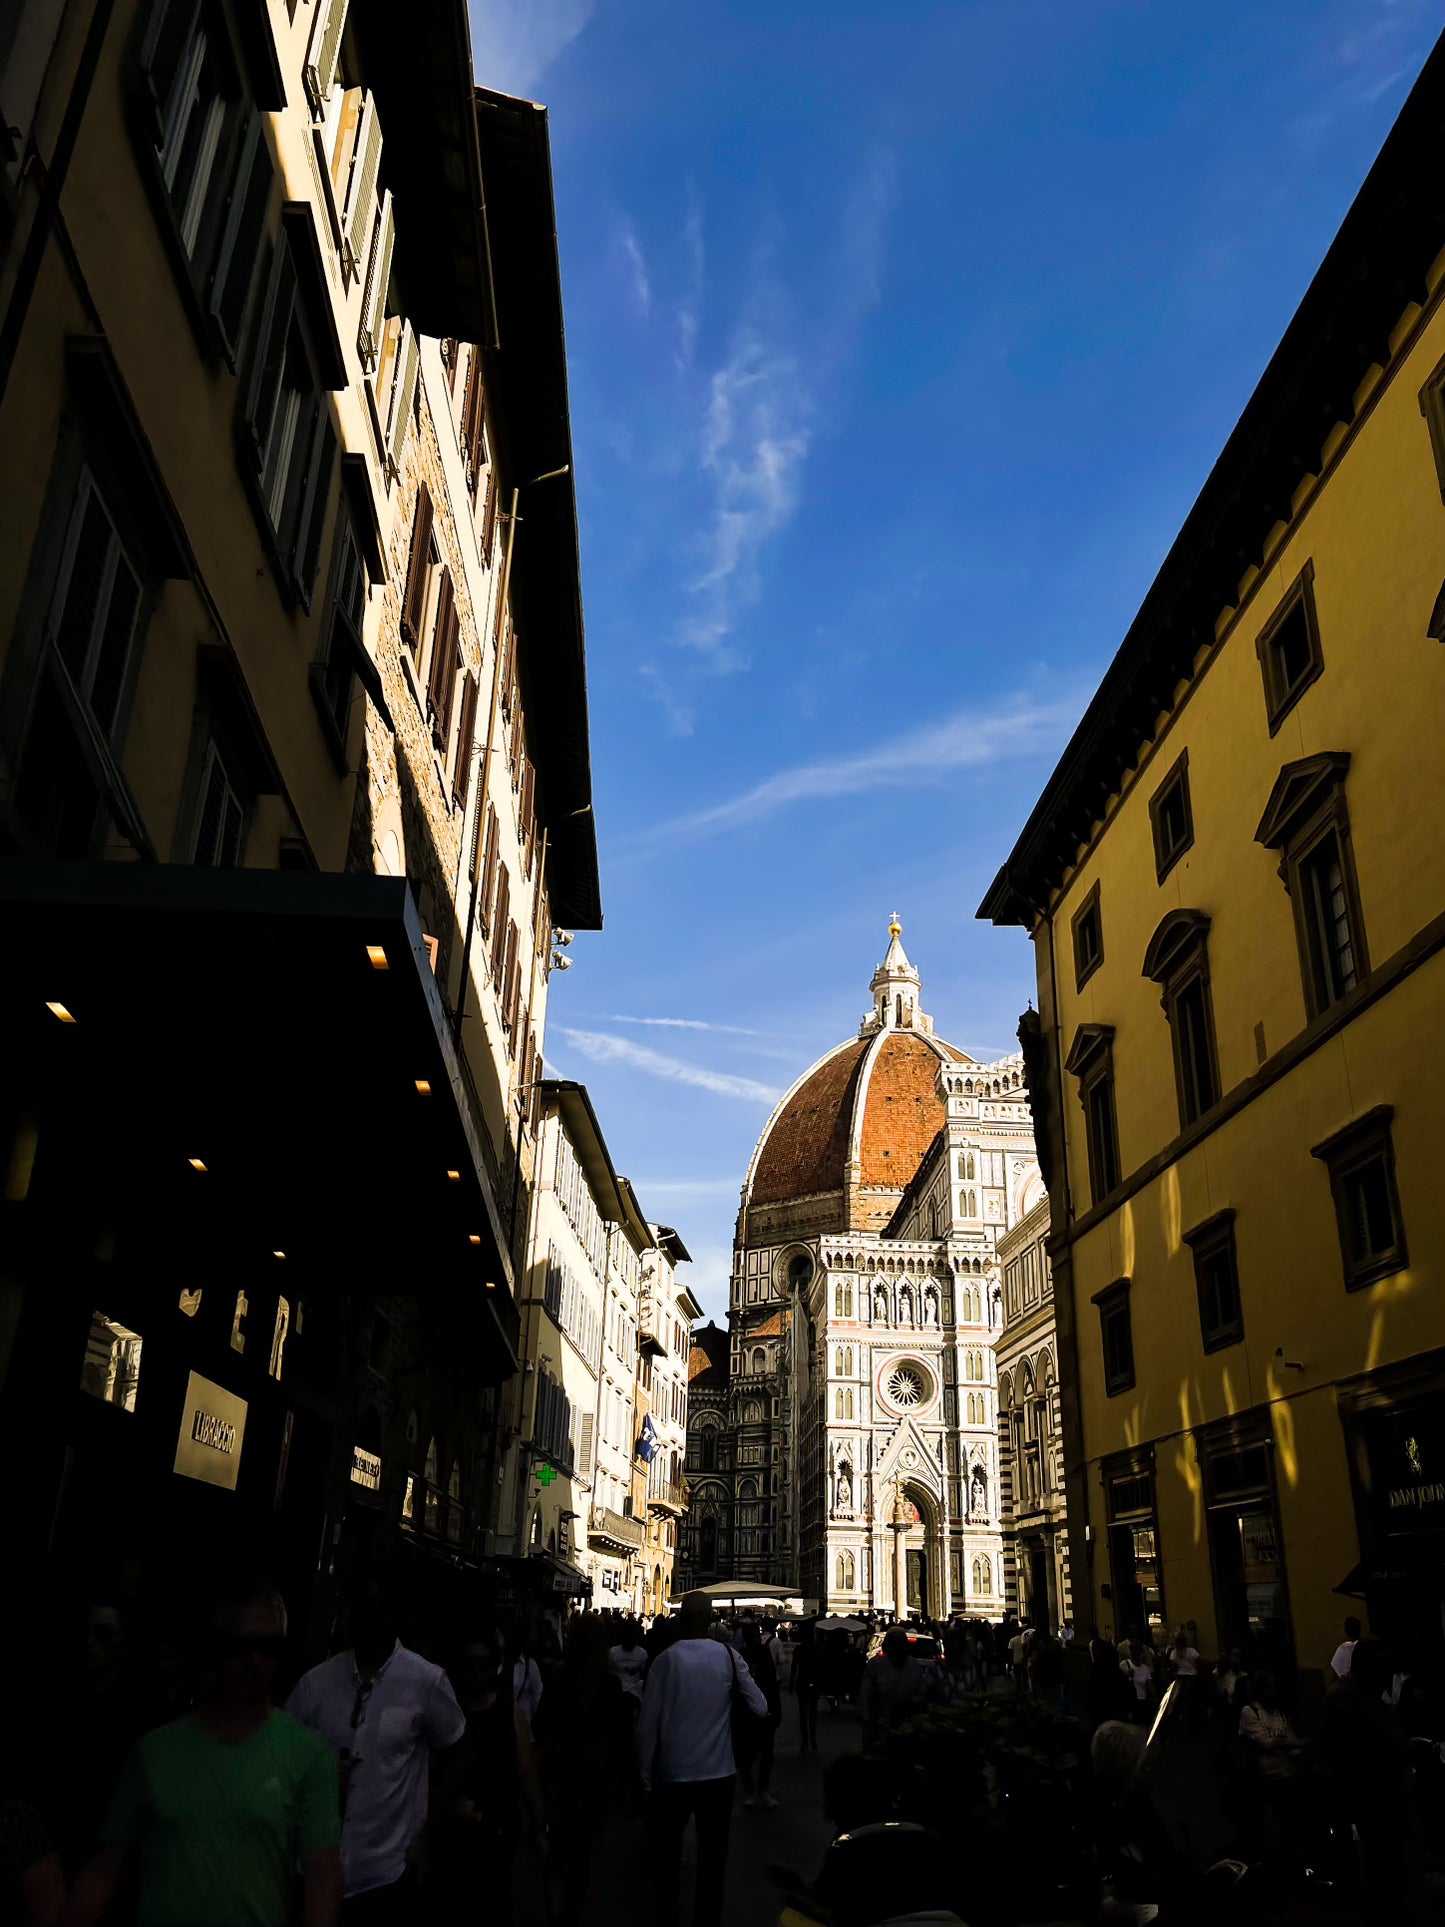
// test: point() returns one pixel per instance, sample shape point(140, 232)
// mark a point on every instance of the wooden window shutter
point(524, 1107)
point(361, 188)
point(536, 1092)
point(462, 776)
point(509, 666)
point(314, 494)
point(499, 926)
point(167, 38)
point(378, 279)
point(584, 1449)
point(403, 397)
point(529, 823)
point(343, 143)
point(320, 71)
point(240, 255)
point(413, 606)
point(440, 647)
point(269, 357)
point(511, 982)
point(489, 515)
point(489, 874)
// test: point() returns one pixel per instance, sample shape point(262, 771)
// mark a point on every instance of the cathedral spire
point(897, 992)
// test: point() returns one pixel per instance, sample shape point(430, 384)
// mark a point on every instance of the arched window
point(760, 1358)
point(898, 1011)
point(454, 1503)
point(842, 1301)
point(748, 1489)
point(846, 1570)
point(709, 1449)
point(978, 1575)
point(963, 1204)
point(707, 1539)
point(433, 1497)
point(962, 1164)
point(972, 1171)
point(985, 1573)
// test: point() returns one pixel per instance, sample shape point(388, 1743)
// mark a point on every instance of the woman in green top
point(217, 1810)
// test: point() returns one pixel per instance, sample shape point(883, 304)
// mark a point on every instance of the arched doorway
point(920, 1570)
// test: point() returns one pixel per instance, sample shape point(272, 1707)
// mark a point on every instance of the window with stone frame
point(1088, 933)
point(1171, 817)
point(1116, 1334)
point(1361, 1162)
point(1178, 961)
point(1289, 652)
point(1216, 1281)
point(1307, 821)
point(1091, 1061)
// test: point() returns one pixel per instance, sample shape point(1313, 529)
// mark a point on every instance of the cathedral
point(844, 1437)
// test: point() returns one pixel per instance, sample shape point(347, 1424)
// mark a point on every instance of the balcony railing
point(614, 1530)
point(667, 1495)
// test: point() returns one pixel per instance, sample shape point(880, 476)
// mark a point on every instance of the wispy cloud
point(761, 408)
point(754, 438)
point(514, 42)
point(602, 1049)
point(641, 281)
point(969, 740)
point(1384, 46)
point(687, 1023)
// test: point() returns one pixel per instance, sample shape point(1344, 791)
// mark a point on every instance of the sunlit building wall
point(1235, 885)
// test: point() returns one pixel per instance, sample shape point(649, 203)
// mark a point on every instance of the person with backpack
point(694, 1692)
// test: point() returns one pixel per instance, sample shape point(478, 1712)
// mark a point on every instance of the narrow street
point(794, 1834)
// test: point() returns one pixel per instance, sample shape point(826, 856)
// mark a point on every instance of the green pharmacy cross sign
point(545, 1474)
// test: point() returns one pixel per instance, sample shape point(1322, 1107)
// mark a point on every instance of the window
point(1307, 821)
point(847, 1572)
point(220, 819)
point(418, 572)
point(1216, 1280)
point(1172, 818)
point(1432, 407)
point(1117, 1335)
point(93, 613)
point(1088, 939)
point(1361, 1164)
point(445, 662)
point(1178, 960)
point(1289, 649)
point(842, 1301)
point(286, 433)
point(333, 675)
point(321, 56)
point(462, 771)
point(1091, 1060)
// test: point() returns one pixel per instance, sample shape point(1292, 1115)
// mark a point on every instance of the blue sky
point(900, 342)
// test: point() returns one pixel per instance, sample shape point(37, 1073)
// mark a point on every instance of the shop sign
point(365, 1468)
point(213, 1426)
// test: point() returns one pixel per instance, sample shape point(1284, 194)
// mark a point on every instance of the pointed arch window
point(432, 1502)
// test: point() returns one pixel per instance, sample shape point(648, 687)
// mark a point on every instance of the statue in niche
point(930, 1306)
point(880, 1305)
point(978, 1496)
point(845, 1490)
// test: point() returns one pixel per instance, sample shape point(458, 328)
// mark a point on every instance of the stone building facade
point(860, 1414)
point(1030, 1429)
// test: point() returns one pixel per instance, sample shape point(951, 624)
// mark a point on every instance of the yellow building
point(294, 775)
point(1235, 885)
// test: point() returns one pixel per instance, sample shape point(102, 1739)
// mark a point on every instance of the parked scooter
point(892, 1874)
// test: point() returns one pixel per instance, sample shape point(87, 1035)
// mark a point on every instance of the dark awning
point(283, 1031)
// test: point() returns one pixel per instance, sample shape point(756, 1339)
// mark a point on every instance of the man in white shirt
point(685, 1755)
point(1344, 1653)
point(385, 1711)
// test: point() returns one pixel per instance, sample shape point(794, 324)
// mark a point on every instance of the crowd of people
point(383, 1783)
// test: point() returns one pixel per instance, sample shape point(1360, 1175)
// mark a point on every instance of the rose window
point(905, 1385)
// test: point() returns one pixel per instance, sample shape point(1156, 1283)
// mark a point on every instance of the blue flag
point(647, 1444)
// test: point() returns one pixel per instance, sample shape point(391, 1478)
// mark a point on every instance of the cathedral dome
point(861, 1119)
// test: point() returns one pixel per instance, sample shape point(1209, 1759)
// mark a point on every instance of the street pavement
point(794, 1834)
